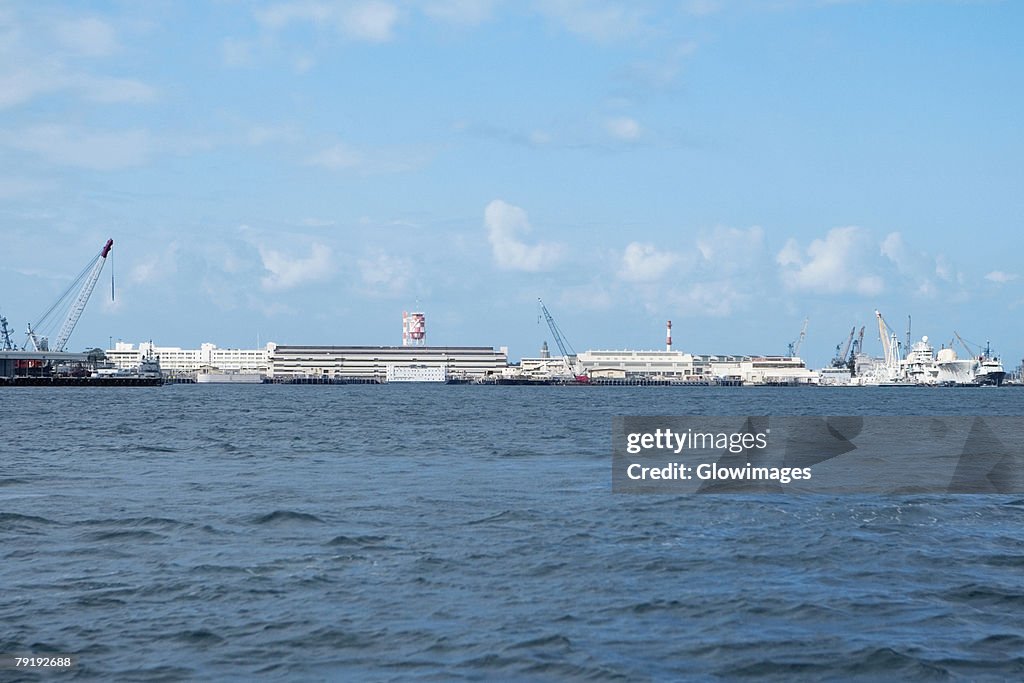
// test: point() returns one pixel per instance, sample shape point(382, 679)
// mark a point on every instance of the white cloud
point(466, 12)
point(1001, 277)
point(258, 134)
point(335, 157)
point(282, 14)
point(111, 90)
point(837, 264)
point(384, 274)
point(86, 36)
point(12, 187)
point(371, 21)
point(41, 57)
point(599, 20)
point(588, 297)
point(731, 249)
point(721, 272)
point(703, 8)
point(505, 224)
point(235, 52)
point(644, 263)
point(67, 146)
point(623, 128)
point(918, 268)
point(19, 85)
point(156, 266)
point(286, 272)
point(713, 298)
point(895, 249)
point(340, 157)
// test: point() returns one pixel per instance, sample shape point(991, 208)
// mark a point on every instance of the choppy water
point(469, 533)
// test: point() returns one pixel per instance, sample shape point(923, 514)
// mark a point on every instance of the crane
point(85, 283)
point(971, 351)
point(5, 336)
point(858, 346)
point(842, 350)
point(890, 342)
point(794, 347)
point(568, 353)
point(883, 334)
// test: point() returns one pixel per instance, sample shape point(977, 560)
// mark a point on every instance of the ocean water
point(442, 533)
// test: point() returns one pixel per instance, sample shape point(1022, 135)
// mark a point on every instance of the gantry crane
point(77, 294)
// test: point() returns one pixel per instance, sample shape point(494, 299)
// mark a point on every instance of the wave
point(361, 541)
point(284, 516)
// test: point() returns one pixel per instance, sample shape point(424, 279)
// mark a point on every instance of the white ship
point(981, 370)
point(955, 371)
point(921, 365)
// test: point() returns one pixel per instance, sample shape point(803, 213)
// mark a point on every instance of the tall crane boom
point(88, 278)
point(963, 343)
point(794, 348)
point(846, 347)
point(568, 353)
point(5, 336)
point(883, 335)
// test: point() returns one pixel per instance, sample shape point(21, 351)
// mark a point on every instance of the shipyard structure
point(279, 362)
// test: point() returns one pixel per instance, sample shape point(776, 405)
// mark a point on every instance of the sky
point(302, 172)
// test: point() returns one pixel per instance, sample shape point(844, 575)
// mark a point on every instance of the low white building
point(372, 363)
point(642, 364)
point(764, 371)
point(176, 360)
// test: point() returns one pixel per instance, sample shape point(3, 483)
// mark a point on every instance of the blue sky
point(304, 171)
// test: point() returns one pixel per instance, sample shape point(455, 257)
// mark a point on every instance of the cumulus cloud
point(731, 249)
point(644, 263)
point(839, 263)
point(1001, 277)
point(720, 272)
point(286, 272)
point(623, 128)
point(505, 225)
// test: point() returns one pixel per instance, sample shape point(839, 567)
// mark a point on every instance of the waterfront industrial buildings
point(437, 363)
point(285, 362)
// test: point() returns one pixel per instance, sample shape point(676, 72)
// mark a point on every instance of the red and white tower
point(668, 336)
point(414, 329)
